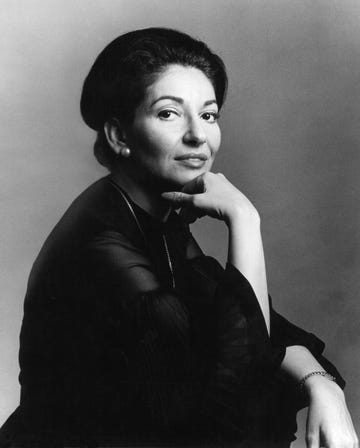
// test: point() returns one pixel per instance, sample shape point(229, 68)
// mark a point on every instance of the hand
point(328, 423)
point(213, 195)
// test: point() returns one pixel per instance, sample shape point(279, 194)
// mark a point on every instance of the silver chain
point(169, 261)
point(143, 234)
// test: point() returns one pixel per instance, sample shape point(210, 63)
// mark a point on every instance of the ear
point(115, 135)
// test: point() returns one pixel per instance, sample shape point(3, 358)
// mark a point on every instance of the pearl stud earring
point(125, 152)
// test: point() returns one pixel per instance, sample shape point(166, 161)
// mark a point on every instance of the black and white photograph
point(180, 223)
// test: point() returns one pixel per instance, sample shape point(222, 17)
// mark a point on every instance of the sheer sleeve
point(177, 371)
point(149, 328)
point(285, 333)
point(273, 392)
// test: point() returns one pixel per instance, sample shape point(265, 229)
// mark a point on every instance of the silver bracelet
point(317, 372)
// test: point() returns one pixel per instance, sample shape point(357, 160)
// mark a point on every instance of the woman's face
point(175, 134)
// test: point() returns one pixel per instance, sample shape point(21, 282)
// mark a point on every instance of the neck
point(147, 199)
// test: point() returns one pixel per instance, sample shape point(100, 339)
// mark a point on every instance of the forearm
point(245, 252)
point(298, 362)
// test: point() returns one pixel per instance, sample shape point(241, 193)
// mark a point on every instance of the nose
point(194, 134)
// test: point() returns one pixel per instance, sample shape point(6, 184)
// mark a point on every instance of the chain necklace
point(171, 269)
point(169, 261)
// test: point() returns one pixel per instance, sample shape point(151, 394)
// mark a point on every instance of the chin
point(190, 175)
point(178, 184)
point(177, 181)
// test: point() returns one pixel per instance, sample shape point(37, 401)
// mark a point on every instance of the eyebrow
point(179, 100)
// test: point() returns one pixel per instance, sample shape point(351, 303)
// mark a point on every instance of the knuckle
point(177, 196)
point(310, 439)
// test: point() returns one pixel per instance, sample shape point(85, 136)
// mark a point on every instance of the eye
point(210, 117)
point(167, 114)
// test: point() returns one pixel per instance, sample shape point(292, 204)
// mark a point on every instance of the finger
point(312, 435)
point(178, 198)
point(195, 186)
point(312, 439)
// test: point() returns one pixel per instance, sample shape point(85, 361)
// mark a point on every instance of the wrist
point(317, 384)
point(238, 216)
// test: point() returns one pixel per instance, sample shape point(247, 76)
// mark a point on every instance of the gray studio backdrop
point(291, 134)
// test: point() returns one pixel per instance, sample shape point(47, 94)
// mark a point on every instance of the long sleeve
point(123, 337)
point(277, 391)
point(283, 332)
point(201, 350)
point(244, 357)
point(149, 326)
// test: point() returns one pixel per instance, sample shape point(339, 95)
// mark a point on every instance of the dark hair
point(116, 83)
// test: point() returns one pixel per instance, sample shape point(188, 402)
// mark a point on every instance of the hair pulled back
point(119, 77)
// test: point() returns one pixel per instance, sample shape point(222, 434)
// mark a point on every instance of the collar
point(148, 222)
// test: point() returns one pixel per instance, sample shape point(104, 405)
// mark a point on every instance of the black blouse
point(132, 334)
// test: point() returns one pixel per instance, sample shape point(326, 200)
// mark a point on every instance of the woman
point(131, 335)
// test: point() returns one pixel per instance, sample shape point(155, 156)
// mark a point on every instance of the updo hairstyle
point(117, 82)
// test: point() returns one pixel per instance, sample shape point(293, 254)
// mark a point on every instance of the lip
point(192, 163)
point(193, 156)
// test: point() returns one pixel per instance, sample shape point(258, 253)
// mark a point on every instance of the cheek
point(150, 145)
point(159, 149)
point(160, 145)
point(215, 140)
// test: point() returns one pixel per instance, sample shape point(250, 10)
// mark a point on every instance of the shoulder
point(99, 208)
point(98, 215)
